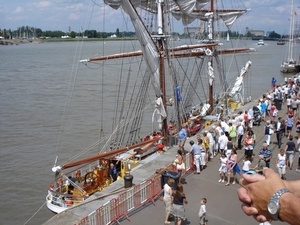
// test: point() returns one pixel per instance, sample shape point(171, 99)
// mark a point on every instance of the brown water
point(34, 80)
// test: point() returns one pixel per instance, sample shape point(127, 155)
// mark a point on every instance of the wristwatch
point(273, 205)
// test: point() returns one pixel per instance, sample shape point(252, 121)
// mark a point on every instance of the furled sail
point(149, 48)
point(186, 10)
point(237, 87)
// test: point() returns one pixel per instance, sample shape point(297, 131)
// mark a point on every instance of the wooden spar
point(200, 53)
point(106, 154)
point(139, 53)
point(116, 56)
point(177, 55)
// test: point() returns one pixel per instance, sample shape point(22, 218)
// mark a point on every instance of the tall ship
point(148, 89)
point(290, 63)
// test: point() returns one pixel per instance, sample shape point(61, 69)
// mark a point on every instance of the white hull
point(260, 42)
point(288, 69)
point(53, 207)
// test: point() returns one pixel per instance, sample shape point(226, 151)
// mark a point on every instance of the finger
point(251, 178)
point(243, 196)
point(267, 171)
point(249, 210)
point(260, 218)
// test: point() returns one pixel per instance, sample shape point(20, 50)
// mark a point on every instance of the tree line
point(32, 32)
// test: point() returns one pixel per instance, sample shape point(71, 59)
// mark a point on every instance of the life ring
point(69, 202)
point(78, 175)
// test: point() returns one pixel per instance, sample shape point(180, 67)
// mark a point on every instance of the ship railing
point(133, 198)
point(64, 200)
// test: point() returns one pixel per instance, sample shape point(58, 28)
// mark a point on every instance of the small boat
point(261, 42)
point(281, 42)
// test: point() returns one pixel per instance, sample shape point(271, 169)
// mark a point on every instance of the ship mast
point(161, 36)
point(211, 38)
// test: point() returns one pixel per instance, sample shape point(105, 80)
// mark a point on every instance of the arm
point(257, 190)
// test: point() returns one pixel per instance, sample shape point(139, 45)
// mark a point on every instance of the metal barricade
point(131, 198)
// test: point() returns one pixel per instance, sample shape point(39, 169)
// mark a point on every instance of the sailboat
point(227, 38)
point(144, 119)
point(289, 65)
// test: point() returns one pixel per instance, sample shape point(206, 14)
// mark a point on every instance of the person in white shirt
point(222, 142)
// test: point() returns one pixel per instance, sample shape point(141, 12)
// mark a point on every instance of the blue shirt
point(266, 153)
point(196, 149)
point(263, 107)
point(182, 134)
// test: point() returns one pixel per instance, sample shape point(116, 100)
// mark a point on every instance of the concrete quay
point(223, 206)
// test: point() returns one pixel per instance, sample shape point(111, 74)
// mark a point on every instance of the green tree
point(72, 34)
point(38, 32)
point(118, 33)
point(274, 35)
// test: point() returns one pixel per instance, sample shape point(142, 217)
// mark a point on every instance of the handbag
point(271, 131)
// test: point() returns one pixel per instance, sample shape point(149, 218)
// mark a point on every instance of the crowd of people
point(235, 133)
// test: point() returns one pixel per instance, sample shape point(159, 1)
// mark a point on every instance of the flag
point(177, 94)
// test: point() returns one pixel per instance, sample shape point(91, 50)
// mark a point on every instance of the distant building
point(192, 31)
point(255, 32)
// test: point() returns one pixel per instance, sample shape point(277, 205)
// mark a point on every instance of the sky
point(77, 15)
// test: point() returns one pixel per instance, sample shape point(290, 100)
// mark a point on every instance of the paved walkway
point(223, 206)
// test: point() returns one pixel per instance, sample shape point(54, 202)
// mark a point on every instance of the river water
point(34, 79)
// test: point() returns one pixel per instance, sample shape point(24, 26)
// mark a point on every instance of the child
point(223, 169)
point(202, 211)
point(246, 164)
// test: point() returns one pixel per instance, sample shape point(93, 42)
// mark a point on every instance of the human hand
point(256, 192)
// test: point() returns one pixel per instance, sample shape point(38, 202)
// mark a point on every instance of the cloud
point(19, 9)
point(73, 16)
point(43, 4)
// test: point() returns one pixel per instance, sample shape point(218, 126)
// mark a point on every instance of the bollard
point(128, 180)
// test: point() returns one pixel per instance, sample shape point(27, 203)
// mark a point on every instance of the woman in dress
point(168, 198)
point(179, 200)
point(232, 167)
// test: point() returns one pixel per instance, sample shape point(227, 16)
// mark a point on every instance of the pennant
point(177, 94)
